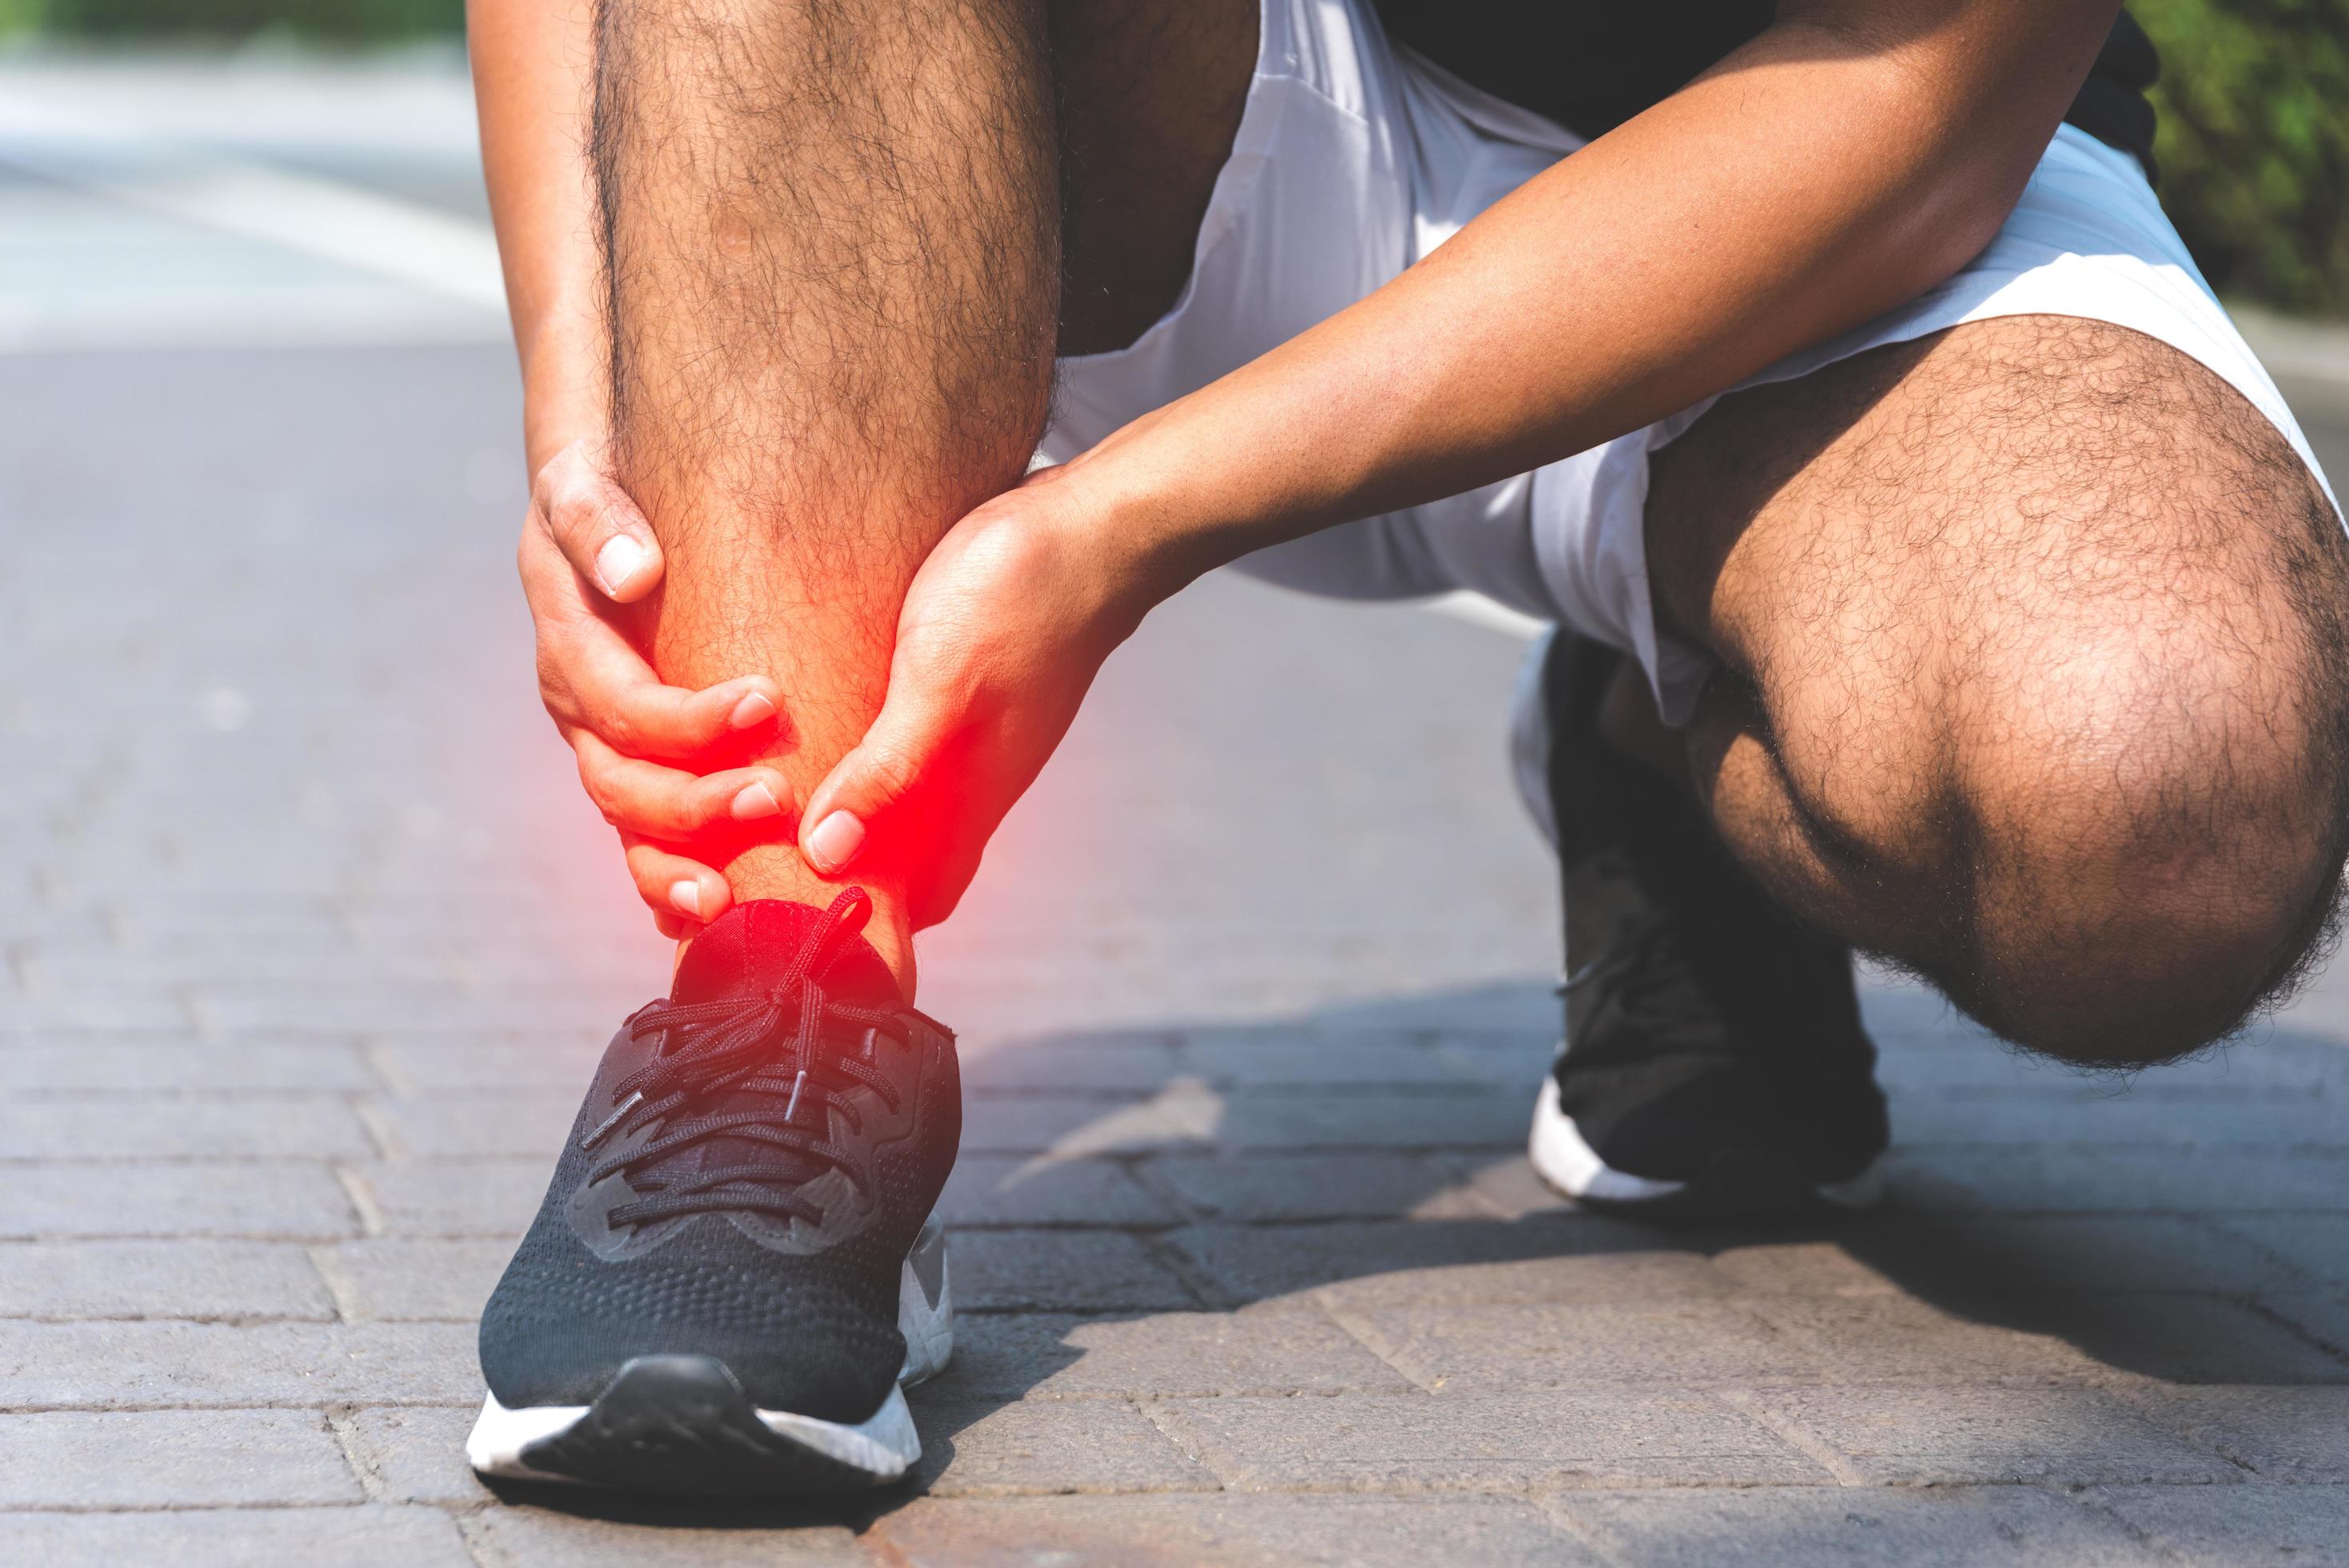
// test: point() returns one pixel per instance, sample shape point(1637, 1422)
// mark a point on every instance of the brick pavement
point(310, 948)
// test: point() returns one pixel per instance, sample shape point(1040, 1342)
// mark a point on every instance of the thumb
point(876, 778)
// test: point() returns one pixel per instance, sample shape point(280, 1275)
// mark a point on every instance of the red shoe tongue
point(751, 948)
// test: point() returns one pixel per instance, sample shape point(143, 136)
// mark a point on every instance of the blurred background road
point(310, 944)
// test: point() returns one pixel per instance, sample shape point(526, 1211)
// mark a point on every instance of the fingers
point(599, 530)
point(640, 797)
point(610, 690)
point(885, 768)
point(684, 895)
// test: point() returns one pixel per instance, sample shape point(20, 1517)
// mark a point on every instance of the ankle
point(776, 870)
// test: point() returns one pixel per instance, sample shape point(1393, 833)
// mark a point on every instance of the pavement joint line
point(1793, 1433)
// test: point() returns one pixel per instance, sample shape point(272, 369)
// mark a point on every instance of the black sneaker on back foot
point(735, 1273)
point(1715, 1066)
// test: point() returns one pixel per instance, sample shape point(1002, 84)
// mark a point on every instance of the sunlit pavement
point(312, 946)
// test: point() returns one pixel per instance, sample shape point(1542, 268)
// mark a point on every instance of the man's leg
point(2035, 639)
point(833, 238)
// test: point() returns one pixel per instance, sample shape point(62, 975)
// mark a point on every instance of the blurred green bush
point(2254, 102)
point(2254, 143)
point(335, 21)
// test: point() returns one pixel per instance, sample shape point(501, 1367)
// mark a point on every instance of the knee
point(2149, 828)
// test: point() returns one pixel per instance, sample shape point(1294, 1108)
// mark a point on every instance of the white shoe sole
point(1562, 1159)
point(874, 1452)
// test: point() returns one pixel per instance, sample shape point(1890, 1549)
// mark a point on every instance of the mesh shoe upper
point(743, 1180)
point(1699, 1016)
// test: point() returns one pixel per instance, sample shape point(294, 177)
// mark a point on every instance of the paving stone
point(2266, 1119)
point(1459, 1119)
point(490, 1064)
point(1485, 1442)
point(691, 1533)
point(314, 1128)
point(160, 1279)
point(2192, 1338)
point(2315, 1243)
point(525, 1126)
point(51, 1365)
point(170, 1458)
point(1004, 1191)
point(1173, 1355)
point(323, 1066)
point(1277, 1531)
point(396, 1277)
point(2121, 1180)
point(173, 1200)
point(249, 1538)
point(451, 1196)
point(2276, 1434)
point(1940, 1253)
point(1952, 1527)
point(415, 1454)
point(1583, 1259)
point(1335, 1063)
point(1185, 1115)
point(1069, 1271)
point(2321, 1316)
point(1502, 1349)
point(1048, 1447)
point(1316, 1186)
point(1113, 1064)
point(2286, 1526)
point(1902, 1339)
point(1945, 1436)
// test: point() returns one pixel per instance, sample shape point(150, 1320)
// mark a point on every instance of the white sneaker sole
point(874, 1452)
point(1562, 1159)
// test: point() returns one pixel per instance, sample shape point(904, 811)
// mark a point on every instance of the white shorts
point(1355, 157)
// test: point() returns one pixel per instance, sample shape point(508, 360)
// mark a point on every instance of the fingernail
point(619, 561)
point(687, 896)
point(750, 712)
point(836, 839)
point(755, 801)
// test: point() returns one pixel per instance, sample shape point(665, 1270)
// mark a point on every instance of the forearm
point(1821, 175)
point(533, 72)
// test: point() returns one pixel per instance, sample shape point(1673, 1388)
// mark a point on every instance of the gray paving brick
point(1317, 1187)
point(394, 1277)
point(2191, 1338)
point(524, 1125)
point(1049, 1447)
point(1185, 1115)
point(63, 1366)
point(2026, 1254)
point(1172, 1355)
point(489, 1063)
point(1945, 1436)
point(2276, 1434)
point(1275, 1531)
point(1071, 1270)
point(1337, 1063)
point(1952, 1527)
point(2285, 1526)
point(2321, 1316)
point(1438, 1262)
point(328, 1067)
point(248, 1538)
point(415, 1453)
point(1111, 1064)
point(2117, 1180)
point(1457, 1118)
point(684, 1536)
point(170, 1458)
point(314, 1128)
point(160, 1279)
point(1902, 1339)
point(2315, 1243)
point(2265, 1120)
point(1485, 1441)
point(1502, 1349)
point(173, 1200)
point(1005, 1191)
point(451, 1196)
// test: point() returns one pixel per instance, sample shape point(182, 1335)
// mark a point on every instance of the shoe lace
point(718, 1073)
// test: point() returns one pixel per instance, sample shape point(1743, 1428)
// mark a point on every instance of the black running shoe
point(735, 1273)
point(1715, 1066)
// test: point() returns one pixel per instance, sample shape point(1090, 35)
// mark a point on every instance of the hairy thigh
point(1151, 94)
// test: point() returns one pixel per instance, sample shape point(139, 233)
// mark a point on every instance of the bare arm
point(1854, 155)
